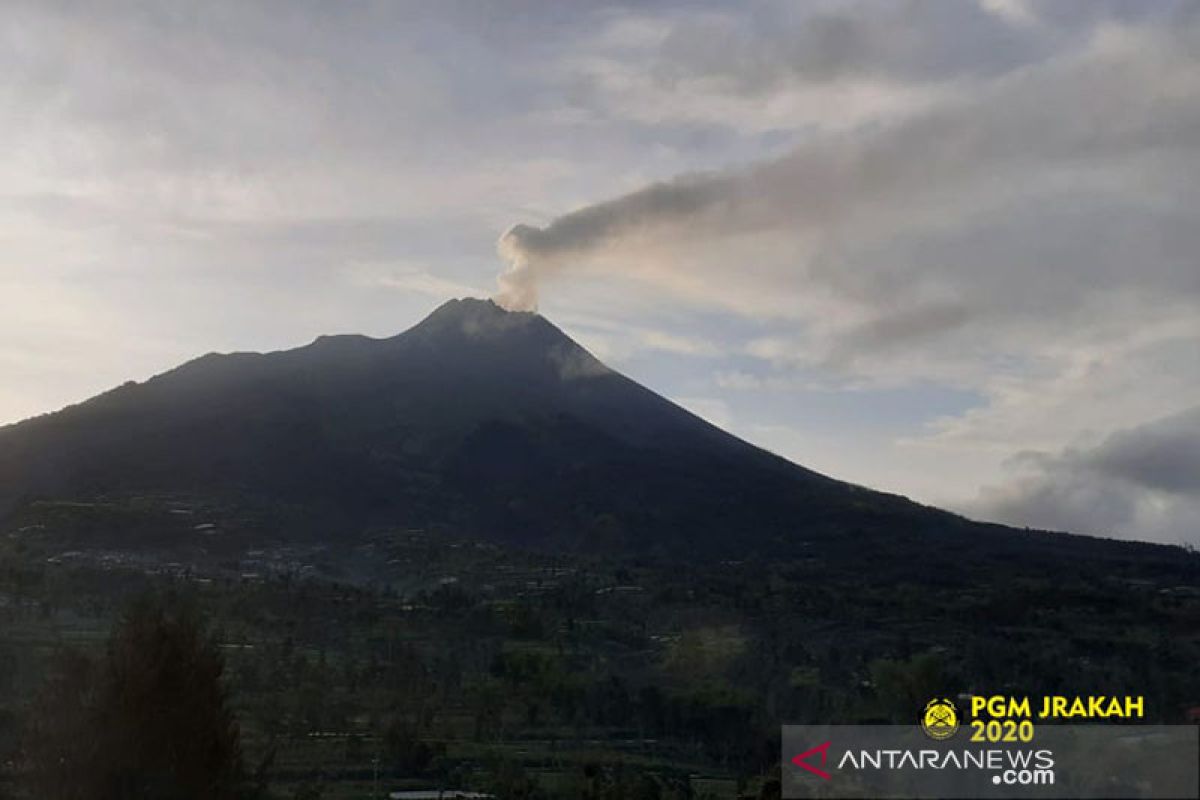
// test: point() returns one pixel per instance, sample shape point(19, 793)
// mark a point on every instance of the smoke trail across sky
point(535, 253)
point(1092, 108)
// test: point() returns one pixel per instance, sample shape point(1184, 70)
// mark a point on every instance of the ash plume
point(535, 253)
point(884, 177)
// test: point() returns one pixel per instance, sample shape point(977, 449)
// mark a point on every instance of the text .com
point(1025, 777)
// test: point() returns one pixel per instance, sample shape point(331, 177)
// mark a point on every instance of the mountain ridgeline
point(480, 421)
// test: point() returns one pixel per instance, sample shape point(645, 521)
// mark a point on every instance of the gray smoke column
point(1092, 110)
point(802, 191)
point(534, 253)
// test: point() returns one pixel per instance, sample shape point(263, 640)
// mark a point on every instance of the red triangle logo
point(800, 761)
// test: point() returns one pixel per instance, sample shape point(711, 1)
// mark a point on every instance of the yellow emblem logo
point(939, 720)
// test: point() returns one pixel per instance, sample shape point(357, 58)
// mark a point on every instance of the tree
point(904, 687)
point(149, 721)
point(60, 752)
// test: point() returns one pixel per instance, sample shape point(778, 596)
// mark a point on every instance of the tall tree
point(150, 721)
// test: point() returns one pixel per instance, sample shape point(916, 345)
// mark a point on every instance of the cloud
point(618, 342)
point(710, 409)
point(777, 69)
point(1143, 480)
point(675, 343)
point(1162, 456)
point(1082, 125)
point(775, 43)
point(207, 185)
point(408, 278)
point(1014, 12)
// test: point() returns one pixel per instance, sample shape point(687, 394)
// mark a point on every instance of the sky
point(948, 250)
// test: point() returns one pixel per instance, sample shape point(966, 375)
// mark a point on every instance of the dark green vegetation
point(545, 675)
point(473, 556)
point(148, 718)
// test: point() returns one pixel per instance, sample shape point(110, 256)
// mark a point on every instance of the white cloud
point(674, 343)
point(1015, 12)
point(408, 278)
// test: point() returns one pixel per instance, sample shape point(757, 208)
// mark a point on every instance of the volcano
point(480, 421)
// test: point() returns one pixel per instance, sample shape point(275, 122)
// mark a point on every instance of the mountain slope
point(479, 420)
